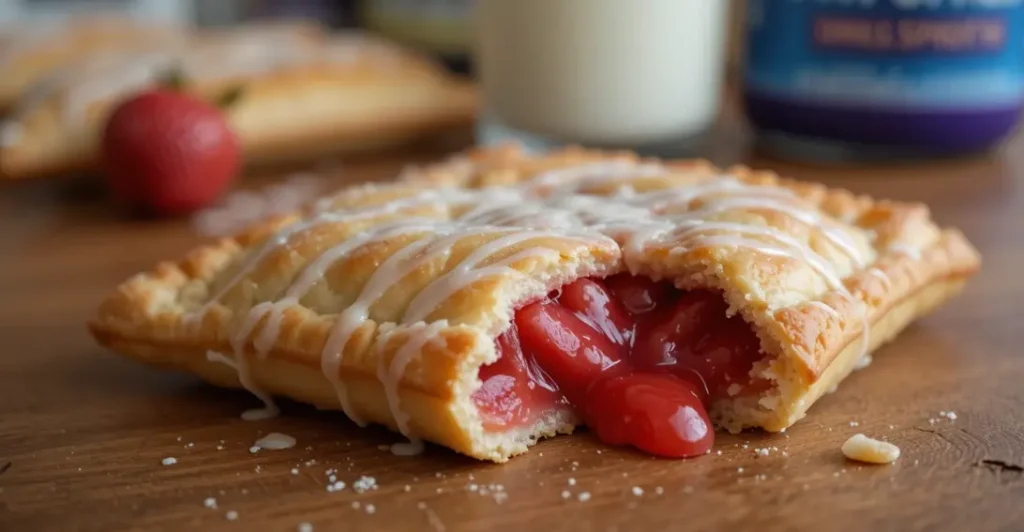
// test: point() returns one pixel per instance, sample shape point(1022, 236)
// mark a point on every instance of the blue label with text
point(907, 53)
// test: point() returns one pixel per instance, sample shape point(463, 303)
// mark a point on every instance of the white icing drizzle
point(831, 311)
point(728, 194)
point(391, 376)
point(881, 276)
point(549, 206)
point(275, 441)
point(333, 351)
point(905, 249)
point(592, 174)
point(322, 217)
point(233, 55)
point(465, 273)
point(241, 366)
point(116, 32)
point(785, 245)
point(807, 216)
point(214, 356)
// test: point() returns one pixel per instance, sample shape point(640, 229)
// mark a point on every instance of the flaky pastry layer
point(422, 275)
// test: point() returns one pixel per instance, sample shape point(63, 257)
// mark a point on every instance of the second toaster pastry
point(29, 52)
point(298, 98)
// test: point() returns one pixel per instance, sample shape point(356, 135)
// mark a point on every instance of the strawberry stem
point(230, 97)
point(173, 79)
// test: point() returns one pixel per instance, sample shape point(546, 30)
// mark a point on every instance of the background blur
point(202, 12)
point(438, 26)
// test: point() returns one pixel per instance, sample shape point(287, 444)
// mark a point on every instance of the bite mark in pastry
point(464, 304)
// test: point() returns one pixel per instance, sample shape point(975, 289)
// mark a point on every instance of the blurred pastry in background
point(290, 32)
point(296, 95)
point(30, 53)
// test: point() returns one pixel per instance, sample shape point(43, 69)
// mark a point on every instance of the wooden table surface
point(83, 433)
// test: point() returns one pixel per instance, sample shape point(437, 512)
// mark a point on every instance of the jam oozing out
point(515, 390)
point(637, 359)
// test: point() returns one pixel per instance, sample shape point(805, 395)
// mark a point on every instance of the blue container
point(888, 77)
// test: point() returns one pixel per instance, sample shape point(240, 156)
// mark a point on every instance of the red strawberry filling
point(638, 360)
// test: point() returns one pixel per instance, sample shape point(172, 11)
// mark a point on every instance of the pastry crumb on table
point(862, 448)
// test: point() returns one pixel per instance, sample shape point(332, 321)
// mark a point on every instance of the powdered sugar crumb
point(305, 527)
point(231, 515)
point(364, 484)
point(170, 460)
point(211, 503)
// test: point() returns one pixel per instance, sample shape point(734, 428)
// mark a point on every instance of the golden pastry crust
point(889, 261)
point(302, 95)
point(911, 267)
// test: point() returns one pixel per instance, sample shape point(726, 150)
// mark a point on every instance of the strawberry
point(168, 153)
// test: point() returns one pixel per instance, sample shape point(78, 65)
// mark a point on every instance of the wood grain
point(83, 433)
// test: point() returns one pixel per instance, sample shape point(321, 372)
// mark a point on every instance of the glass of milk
point(639, 74)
